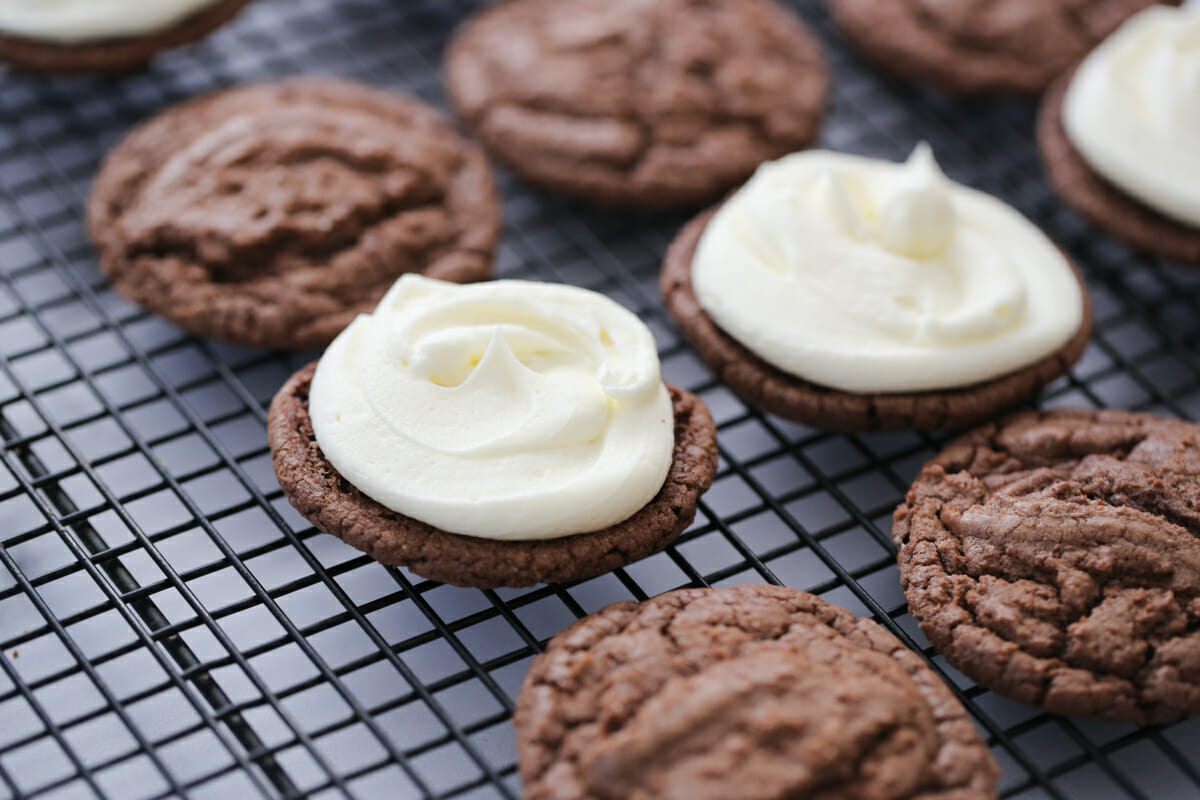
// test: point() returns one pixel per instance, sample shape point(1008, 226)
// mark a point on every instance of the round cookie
point(638, 104)
point(1098, 200)
point(1053, 557)
point(763, 385)
point(271, 215)
point(114, 55)
point(979, 46)
point(754, 692)
point(333, 505)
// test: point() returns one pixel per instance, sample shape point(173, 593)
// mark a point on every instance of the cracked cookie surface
point(1054, 557)
point(334, 505)
point(980, 46)
point(638, 103)
point(271, 215)
point(754, 692)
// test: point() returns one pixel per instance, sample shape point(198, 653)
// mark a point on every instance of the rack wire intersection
point(170, 627)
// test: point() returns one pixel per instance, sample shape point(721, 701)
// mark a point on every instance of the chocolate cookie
point(1102, 203)
point(761, 384)
point(114, 55)
point(979, 46)
point(1054, 558)
point(639, 104)
point(333, 505)
point(757, 692)
point(270, 215)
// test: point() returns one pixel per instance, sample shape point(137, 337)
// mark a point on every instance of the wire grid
point(170, 627)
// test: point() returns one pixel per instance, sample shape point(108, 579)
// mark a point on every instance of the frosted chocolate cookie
point(756, 692)
point(979, 46)
point(103, 35)
point(1055, 559)
point(856, 294)
point(271, 215)
point(1119, 134)
point(499, 434)
point(638, 103)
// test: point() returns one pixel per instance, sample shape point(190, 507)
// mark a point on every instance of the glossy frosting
point(868, 276)
point(503, 410)
point(1133, 110)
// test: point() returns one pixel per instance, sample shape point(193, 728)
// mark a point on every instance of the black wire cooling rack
point(170, 627)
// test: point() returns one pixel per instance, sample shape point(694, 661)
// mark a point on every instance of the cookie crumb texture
point(333, 505)
point(1054, 558)
point(755, 692)
point(639, 103)
point(270, 215)
point(980, 46)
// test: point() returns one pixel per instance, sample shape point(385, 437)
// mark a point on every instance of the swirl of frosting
point(868, 276)
point(1133, 110)
point(76, 21)
point(503, 410)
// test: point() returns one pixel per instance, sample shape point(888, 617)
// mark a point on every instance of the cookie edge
point(766, 387)
point(952, 71)
point(961, 657)
point(953, 719)
point(485, 563)
point(619, 193)
point(475, 261)
point(958, 69)
point(114, 56)
point(1101, 203)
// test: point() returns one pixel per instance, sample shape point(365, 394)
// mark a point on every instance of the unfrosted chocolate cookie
point(757, 692)
point(270, 215)
point(979, 46)
point(1102, 203)
point(1054, 557)
point(638, 103)
point(334, 506)
point(763, 385)
point(114, 55)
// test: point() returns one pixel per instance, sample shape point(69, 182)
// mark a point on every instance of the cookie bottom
point(762, 385)
point(1103, 204)
point(114, 55)
point(334, 506)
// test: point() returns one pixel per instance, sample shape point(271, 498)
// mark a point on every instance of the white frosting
point(1133, 110)
point(504, 410)
point(868, 276)
point(78, 21)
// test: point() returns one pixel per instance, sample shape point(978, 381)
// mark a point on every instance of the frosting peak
point(506, 410)
point(917, 220)
point(868, 276)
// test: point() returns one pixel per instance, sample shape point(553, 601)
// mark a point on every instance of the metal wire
point(170, 627)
